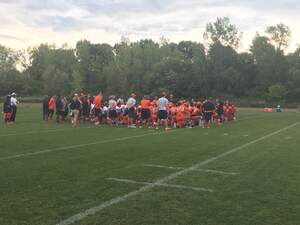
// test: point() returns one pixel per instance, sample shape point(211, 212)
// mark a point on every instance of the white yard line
point(91, 211)
point(162, 185)
point(217, 172)
point(83, 145)
point(182, 168)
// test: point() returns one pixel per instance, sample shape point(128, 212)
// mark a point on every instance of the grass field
point(243, 173)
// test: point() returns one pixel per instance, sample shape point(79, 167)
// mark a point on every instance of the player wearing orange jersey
point(97, 107)
point(181, 115)
point(145, 111)
point(51, 107)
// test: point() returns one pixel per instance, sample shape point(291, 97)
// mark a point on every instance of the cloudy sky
point(27, 23)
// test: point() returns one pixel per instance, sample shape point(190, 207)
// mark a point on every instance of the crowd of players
point(152, 113)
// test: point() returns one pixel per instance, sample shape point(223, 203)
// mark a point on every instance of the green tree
point(46, 59)
point(224, 32)
point(280, 34)
point(293, 76)
point(92, 60)
point(276, 93)
point(11, 79)
point(56, 82)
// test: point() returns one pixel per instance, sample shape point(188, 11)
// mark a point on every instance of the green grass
point(45, 188)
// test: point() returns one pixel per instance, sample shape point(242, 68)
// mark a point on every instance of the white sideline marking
point(162, 185)
point(81, 145)
point(122, 198)
point(181, 168)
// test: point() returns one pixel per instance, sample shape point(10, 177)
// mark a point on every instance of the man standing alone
point(131, 103)
point(208, 109)
point(162, 105)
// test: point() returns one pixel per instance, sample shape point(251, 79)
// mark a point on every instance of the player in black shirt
point(220, 111)
point(208, 109)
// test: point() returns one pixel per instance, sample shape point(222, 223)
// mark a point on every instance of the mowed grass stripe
point(82, 145)
point(42, 125)
point(82, 215)
point(44, 131)
point(47, 140)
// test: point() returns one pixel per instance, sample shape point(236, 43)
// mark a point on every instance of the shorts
point(85, 111)
point(51, 112)
point(208, 116)
point(125, 112)
point(131, 113)
point(98, 112)
point(162, 114)
point(60, 113)
point(112, 114)
point(75, 113)
point(220, 112)
point(145, 114)
point(7, 116)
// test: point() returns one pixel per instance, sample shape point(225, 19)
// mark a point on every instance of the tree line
point(186, 69)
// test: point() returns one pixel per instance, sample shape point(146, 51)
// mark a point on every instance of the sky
point(27, 23)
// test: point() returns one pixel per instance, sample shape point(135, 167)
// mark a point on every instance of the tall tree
point(11, 79)
point(45, 60)
point(280, 34)
point(92, 60)
point(224, 32)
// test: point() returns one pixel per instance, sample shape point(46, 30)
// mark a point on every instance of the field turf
point(242, 173)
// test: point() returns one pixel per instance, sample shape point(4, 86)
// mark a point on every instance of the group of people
point(10, 109)
point(152, 113)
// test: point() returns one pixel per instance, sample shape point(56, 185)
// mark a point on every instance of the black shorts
point(59, 113)
point(85, 111)
point(125, 112)
point(220, 113)
point(131, 113)
point(162, 114)
point(208, 116)
point(112, 114)
point(98, 112)
point(145, 114)
point(50, 112)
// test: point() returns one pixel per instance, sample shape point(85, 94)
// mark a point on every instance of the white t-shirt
point(120, 101)
point(112, 104)
point(105, 109)
point(131, 103)
point(13, 101)
point(162, 103)
point(92, 107)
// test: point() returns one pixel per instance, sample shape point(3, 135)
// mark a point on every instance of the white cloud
point(30, 22)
